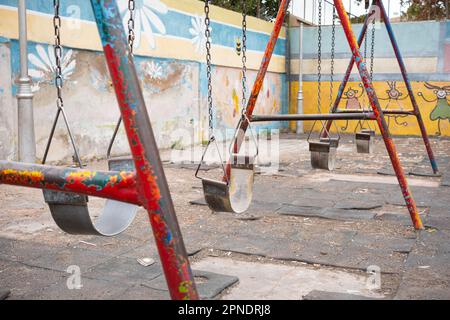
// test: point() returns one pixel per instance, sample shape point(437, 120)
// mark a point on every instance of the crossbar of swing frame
point(416, 111)
point(313, 117)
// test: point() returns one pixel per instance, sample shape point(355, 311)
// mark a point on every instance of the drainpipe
point(300, 79)
point(27, 144)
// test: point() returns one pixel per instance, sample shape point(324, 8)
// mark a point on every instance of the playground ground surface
point(309, 234)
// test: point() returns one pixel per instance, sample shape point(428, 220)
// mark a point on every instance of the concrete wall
point(169, 57)
point(425, 47)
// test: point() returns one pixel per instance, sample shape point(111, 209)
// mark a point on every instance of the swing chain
point(372, 52)
point(333, 45)
point(319, 57)
point(208, 67)
point(58, 55)
point(244, 57)
point(131, 24)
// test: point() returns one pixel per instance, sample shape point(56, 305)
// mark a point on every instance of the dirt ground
point(304, 223)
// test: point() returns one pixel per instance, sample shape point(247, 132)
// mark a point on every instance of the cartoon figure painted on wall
point(394, 96)
point(352, 97)
point(442, 109)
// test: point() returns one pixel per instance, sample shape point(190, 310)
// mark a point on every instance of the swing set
point(140, 180)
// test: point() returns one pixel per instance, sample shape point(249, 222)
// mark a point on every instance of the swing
point(69, 210)
point(365, 138)
point(323, 151)
point(236, 193)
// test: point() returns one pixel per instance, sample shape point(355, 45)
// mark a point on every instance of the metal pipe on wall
point(300, 79)
point(25, 116)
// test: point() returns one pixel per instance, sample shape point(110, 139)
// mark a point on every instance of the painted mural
point(432, 97)
point(170, 61)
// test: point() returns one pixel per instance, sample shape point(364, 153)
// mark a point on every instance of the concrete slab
point(209, 284)
point(124, 270)
point(325, 295)
point(274, 281)
point(327, 213)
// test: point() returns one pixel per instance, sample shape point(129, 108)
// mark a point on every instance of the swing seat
point(236, 195)
point(365, 140)
point(323, 153)
point(71, 214)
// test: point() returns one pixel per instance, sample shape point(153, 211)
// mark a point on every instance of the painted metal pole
point(300, 78)
point(314, 117)
point(412, 97)
point(347, 74)
point(152, 185)
point(373, 99)
point(259, 80)
point(120, 186)
point(25, 123)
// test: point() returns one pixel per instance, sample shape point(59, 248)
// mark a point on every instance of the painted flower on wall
point(43, 65)
point(153, 70)
point(197, 30)
point(146, 19)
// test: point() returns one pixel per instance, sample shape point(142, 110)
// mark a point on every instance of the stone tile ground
point(302, 223)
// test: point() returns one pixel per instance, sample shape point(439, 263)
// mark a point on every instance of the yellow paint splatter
point(235, 102)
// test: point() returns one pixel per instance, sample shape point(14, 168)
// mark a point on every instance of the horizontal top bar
point(314, 117)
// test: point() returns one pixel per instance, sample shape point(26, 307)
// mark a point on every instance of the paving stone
point(325, 295)
point(92, 289)
point(327, 213)
point(445, 182)
point(142, 292)
point(438, 218)
point(209, 284)
point(4, 294)
point(22, 280)
point(124, 270)
point(17, 250)
point(354, 204)
point(61, 259)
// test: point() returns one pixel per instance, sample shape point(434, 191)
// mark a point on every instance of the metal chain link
point(333, 50)
point(131, 34)
point(319, 57)
point(57, 49)
point(208, 67)
point(372, 50)
point(244, 58)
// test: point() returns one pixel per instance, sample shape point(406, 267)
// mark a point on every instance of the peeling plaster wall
point(170, 65)
point(8, 107)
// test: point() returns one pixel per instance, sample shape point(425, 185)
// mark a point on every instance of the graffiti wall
point(425, 49)
point(170, 60)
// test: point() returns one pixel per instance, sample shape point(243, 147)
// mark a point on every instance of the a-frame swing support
point(373, 99)
point(416, 111)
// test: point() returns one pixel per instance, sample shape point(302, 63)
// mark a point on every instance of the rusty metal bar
point(373, 99)
point(402, 66)
point(313, 117)
point(259, 80)
point(120, 186)
point(152, 185)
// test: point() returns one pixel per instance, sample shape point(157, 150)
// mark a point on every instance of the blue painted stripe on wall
point(177, 24)
point(416, 39)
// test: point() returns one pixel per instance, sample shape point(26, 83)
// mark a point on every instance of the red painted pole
point(373, 99)
point(152, 185)
point(120, 186)
point(259, 79)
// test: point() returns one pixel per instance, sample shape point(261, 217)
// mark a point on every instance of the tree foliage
point(426, 10)
point(264, 9)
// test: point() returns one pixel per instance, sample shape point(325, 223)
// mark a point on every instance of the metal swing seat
point(323, 153)
point(365, 141)
point(235, 194)
point(70, 210)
